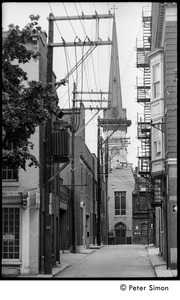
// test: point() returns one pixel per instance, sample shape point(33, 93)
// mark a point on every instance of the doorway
point(87, 231)
point(120, 233)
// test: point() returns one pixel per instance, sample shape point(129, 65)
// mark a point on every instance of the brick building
point(85, 186)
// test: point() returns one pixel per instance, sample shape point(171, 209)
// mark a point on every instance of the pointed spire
point(115, 97)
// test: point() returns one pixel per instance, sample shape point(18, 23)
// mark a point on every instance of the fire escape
point(144, 120)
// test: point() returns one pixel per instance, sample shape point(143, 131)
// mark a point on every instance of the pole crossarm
point(120, 121)
point(90, 100)
point(75, 185)
point(91, 108)
point(81, 44)
point(82, 17)
point(92, 92)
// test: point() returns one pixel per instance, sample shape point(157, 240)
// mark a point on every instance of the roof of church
point(115, 97)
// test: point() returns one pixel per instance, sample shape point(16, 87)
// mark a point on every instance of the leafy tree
point(22, 106)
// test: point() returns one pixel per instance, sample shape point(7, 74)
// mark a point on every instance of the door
point(120, 233)
point(87, 231)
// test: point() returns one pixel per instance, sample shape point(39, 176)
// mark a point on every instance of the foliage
point(22, 101)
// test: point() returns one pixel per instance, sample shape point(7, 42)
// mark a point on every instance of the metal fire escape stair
point(144, 121)
point(143, 96)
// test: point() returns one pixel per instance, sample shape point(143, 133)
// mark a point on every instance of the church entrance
point(120, 233)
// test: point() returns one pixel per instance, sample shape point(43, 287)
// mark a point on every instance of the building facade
point(84, 231)
point(21, 193)
point(163, 65)
point(120, 188)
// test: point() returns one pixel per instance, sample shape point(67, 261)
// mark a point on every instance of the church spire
point(115, 97)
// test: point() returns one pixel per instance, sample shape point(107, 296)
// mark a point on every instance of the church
point(120, 173)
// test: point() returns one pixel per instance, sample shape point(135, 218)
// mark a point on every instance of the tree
point(22, 107)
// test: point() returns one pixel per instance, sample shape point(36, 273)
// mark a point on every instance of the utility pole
point(48, 134)
point(99, 188)
point(106, 184)
point(73, 202)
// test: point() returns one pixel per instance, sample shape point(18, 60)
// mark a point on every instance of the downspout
point(94, 219)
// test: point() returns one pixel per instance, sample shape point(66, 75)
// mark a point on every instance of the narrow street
point(110, 261)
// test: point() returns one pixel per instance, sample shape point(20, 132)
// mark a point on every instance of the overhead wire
point(78, 64)
point(77, 124)
point(66, 54)
point(126, 183)
point(83, 67)
point(65, 51)
point(87, 123)
point(80, 19)
point(67, 58)
point(69, 20)
point(130, 57)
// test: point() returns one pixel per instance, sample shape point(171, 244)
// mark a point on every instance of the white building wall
point(157, 114)
point(121, 180)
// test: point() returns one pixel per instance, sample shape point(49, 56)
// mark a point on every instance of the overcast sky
point(96, 67)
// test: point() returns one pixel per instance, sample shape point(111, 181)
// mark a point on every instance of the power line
point(80, 19)
point(87, 123)
point(69, 20)
point(65, 50)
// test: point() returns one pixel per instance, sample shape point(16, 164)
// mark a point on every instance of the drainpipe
point(94, 220)
point(167, 234)
point(99, 188)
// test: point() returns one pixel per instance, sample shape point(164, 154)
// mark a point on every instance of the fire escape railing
point(143, 96)
point(144, 121)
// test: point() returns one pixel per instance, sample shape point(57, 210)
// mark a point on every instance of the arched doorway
point(120, 233)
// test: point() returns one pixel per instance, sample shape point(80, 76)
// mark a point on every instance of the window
point(89, 183)
point(157, 148)
point(120, 203)
point(143, 205)
point(9, 173)
point(156, 81)
point(10, 233)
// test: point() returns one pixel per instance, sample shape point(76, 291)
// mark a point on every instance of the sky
point(93, 74)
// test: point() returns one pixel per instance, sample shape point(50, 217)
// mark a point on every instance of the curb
point(159, 264)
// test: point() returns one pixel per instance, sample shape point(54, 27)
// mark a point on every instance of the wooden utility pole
point(106, 184)
point(94, 205)
point(48, 134)
point(73, 202)
point(98, 188)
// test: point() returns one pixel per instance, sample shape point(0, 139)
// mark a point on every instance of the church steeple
point(115, 97)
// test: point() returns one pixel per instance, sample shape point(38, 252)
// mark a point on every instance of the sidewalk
point(67, 259)
point(159, 263)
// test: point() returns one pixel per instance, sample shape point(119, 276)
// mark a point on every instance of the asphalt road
point(110, 261)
